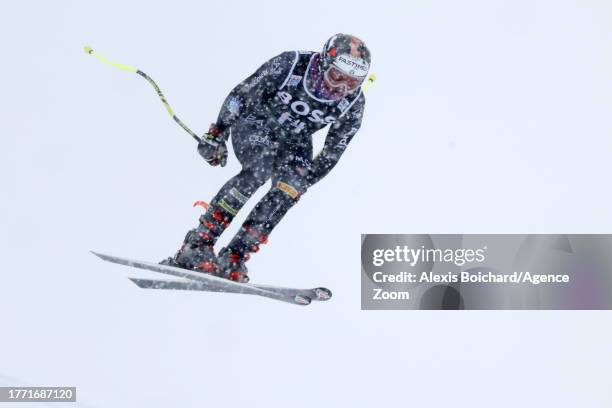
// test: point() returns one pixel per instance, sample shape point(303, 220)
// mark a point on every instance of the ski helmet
point(345, 62)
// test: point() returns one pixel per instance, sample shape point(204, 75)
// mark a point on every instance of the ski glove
point(212, 147)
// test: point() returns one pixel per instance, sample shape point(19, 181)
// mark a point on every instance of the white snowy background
point(488, 117)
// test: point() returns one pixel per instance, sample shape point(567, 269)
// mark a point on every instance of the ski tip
point(99, 255)
point(137, 282)
point(149, 283)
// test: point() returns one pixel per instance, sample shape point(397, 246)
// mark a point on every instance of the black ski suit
point(272, 116)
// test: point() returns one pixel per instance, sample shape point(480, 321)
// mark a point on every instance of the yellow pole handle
point(90, 51)
point(369, 82)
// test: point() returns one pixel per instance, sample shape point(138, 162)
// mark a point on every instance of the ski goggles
point(336, 79)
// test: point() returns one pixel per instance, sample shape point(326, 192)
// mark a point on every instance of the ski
point(320, 294)
point(214, 283)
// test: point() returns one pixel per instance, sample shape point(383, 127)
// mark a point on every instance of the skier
point(272, 116)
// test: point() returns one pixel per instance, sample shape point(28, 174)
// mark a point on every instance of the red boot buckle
point(208, 267)
point(237, 276)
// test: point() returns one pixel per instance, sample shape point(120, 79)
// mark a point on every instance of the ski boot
point(197, 252)
point(232, 259)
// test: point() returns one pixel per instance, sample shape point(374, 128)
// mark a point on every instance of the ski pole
point(128, 68)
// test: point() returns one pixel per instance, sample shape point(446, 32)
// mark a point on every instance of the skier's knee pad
point(238, 190)
point(232, 201)
point(292, 191)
